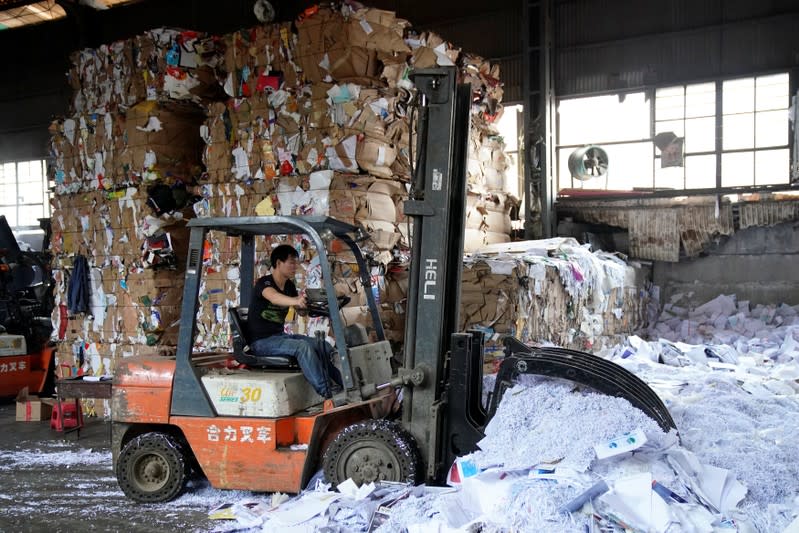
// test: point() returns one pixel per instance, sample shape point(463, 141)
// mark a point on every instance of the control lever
point(410, 378)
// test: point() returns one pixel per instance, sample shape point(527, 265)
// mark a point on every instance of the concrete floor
point(59, 483)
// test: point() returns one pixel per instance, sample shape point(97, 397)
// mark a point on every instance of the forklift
point(27, 357)
point(264, 428)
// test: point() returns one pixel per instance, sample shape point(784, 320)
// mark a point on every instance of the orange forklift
point(27, 358)
point(264, 428)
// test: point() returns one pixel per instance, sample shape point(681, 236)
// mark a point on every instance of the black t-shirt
point(265, 318)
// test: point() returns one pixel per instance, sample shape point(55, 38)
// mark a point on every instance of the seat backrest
point(238, 328)
point(240, 335)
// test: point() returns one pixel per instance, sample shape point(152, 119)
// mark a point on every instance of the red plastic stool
point(66, 415)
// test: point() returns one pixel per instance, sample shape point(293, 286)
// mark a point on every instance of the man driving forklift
point(271, 299)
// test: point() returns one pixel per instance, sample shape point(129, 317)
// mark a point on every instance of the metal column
point(539, 120)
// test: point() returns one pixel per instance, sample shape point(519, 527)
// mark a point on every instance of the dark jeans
point(306, 350)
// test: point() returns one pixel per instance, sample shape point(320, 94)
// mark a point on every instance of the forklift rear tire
point(372, 450)
point(152, 468)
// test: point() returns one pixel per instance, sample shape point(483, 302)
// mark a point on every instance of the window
point(508, 129)
point(617, 123)
point(689, 112)
point(23, 193)
point(736, 131)
point(755, 131)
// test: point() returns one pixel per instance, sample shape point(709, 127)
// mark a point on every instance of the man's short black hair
point(282, 253)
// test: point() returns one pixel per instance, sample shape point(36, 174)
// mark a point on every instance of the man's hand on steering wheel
point(320, 307)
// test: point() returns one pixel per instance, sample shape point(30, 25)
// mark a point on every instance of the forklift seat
point(241, 348)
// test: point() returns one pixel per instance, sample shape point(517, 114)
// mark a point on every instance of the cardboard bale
point(259, 58)
point(379, 30)
point(530, 299)
point(355, 64)
point(319, 34)
point(163, 143)
point(396, 288)
point(85, 147)
point(175, 64)
point(259, 148)
point(376, 156)
point(102, 79)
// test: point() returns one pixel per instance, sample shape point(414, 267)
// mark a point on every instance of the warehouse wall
point(758, 264)
point(607, 45)
point(32, 91)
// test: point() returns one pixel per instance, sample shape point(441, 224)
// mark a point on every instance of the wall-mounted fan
point(264, 11)
point(588, 162)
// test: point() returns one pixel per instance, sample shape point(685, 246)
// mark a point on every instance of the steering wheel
point(319, 306)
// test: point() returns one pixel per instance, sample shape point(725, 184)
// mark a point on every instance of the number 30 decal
point(250, 394)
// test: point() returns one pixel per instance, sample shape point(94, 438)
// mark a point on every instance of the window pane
point(599, 119)
point(29, 215)
point(669, 177)
point(670, 103)
point(738, 96)
point(30, 193)
point(675, 126)
point(772, 92)
point(700, 135)
point(737, 169)
point(8, 185)
point(10, 214)
point(507, 127)
point(771, 128)
point(771, 167)
point(700, 171)
point(629, 167)
point(738, 131)
point(22, 192)
point(512, 181)
point(700, 100)
point(29, 177)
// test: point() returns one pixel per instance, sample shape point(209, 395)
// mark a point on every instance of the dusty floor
point(57, 483)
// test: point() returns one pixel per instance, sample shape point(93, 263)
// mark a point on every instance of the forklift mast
point(436, 207)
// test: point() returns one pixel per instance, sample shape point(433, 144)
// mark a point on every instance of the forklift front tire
point(152, 468)
point(372, 450)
